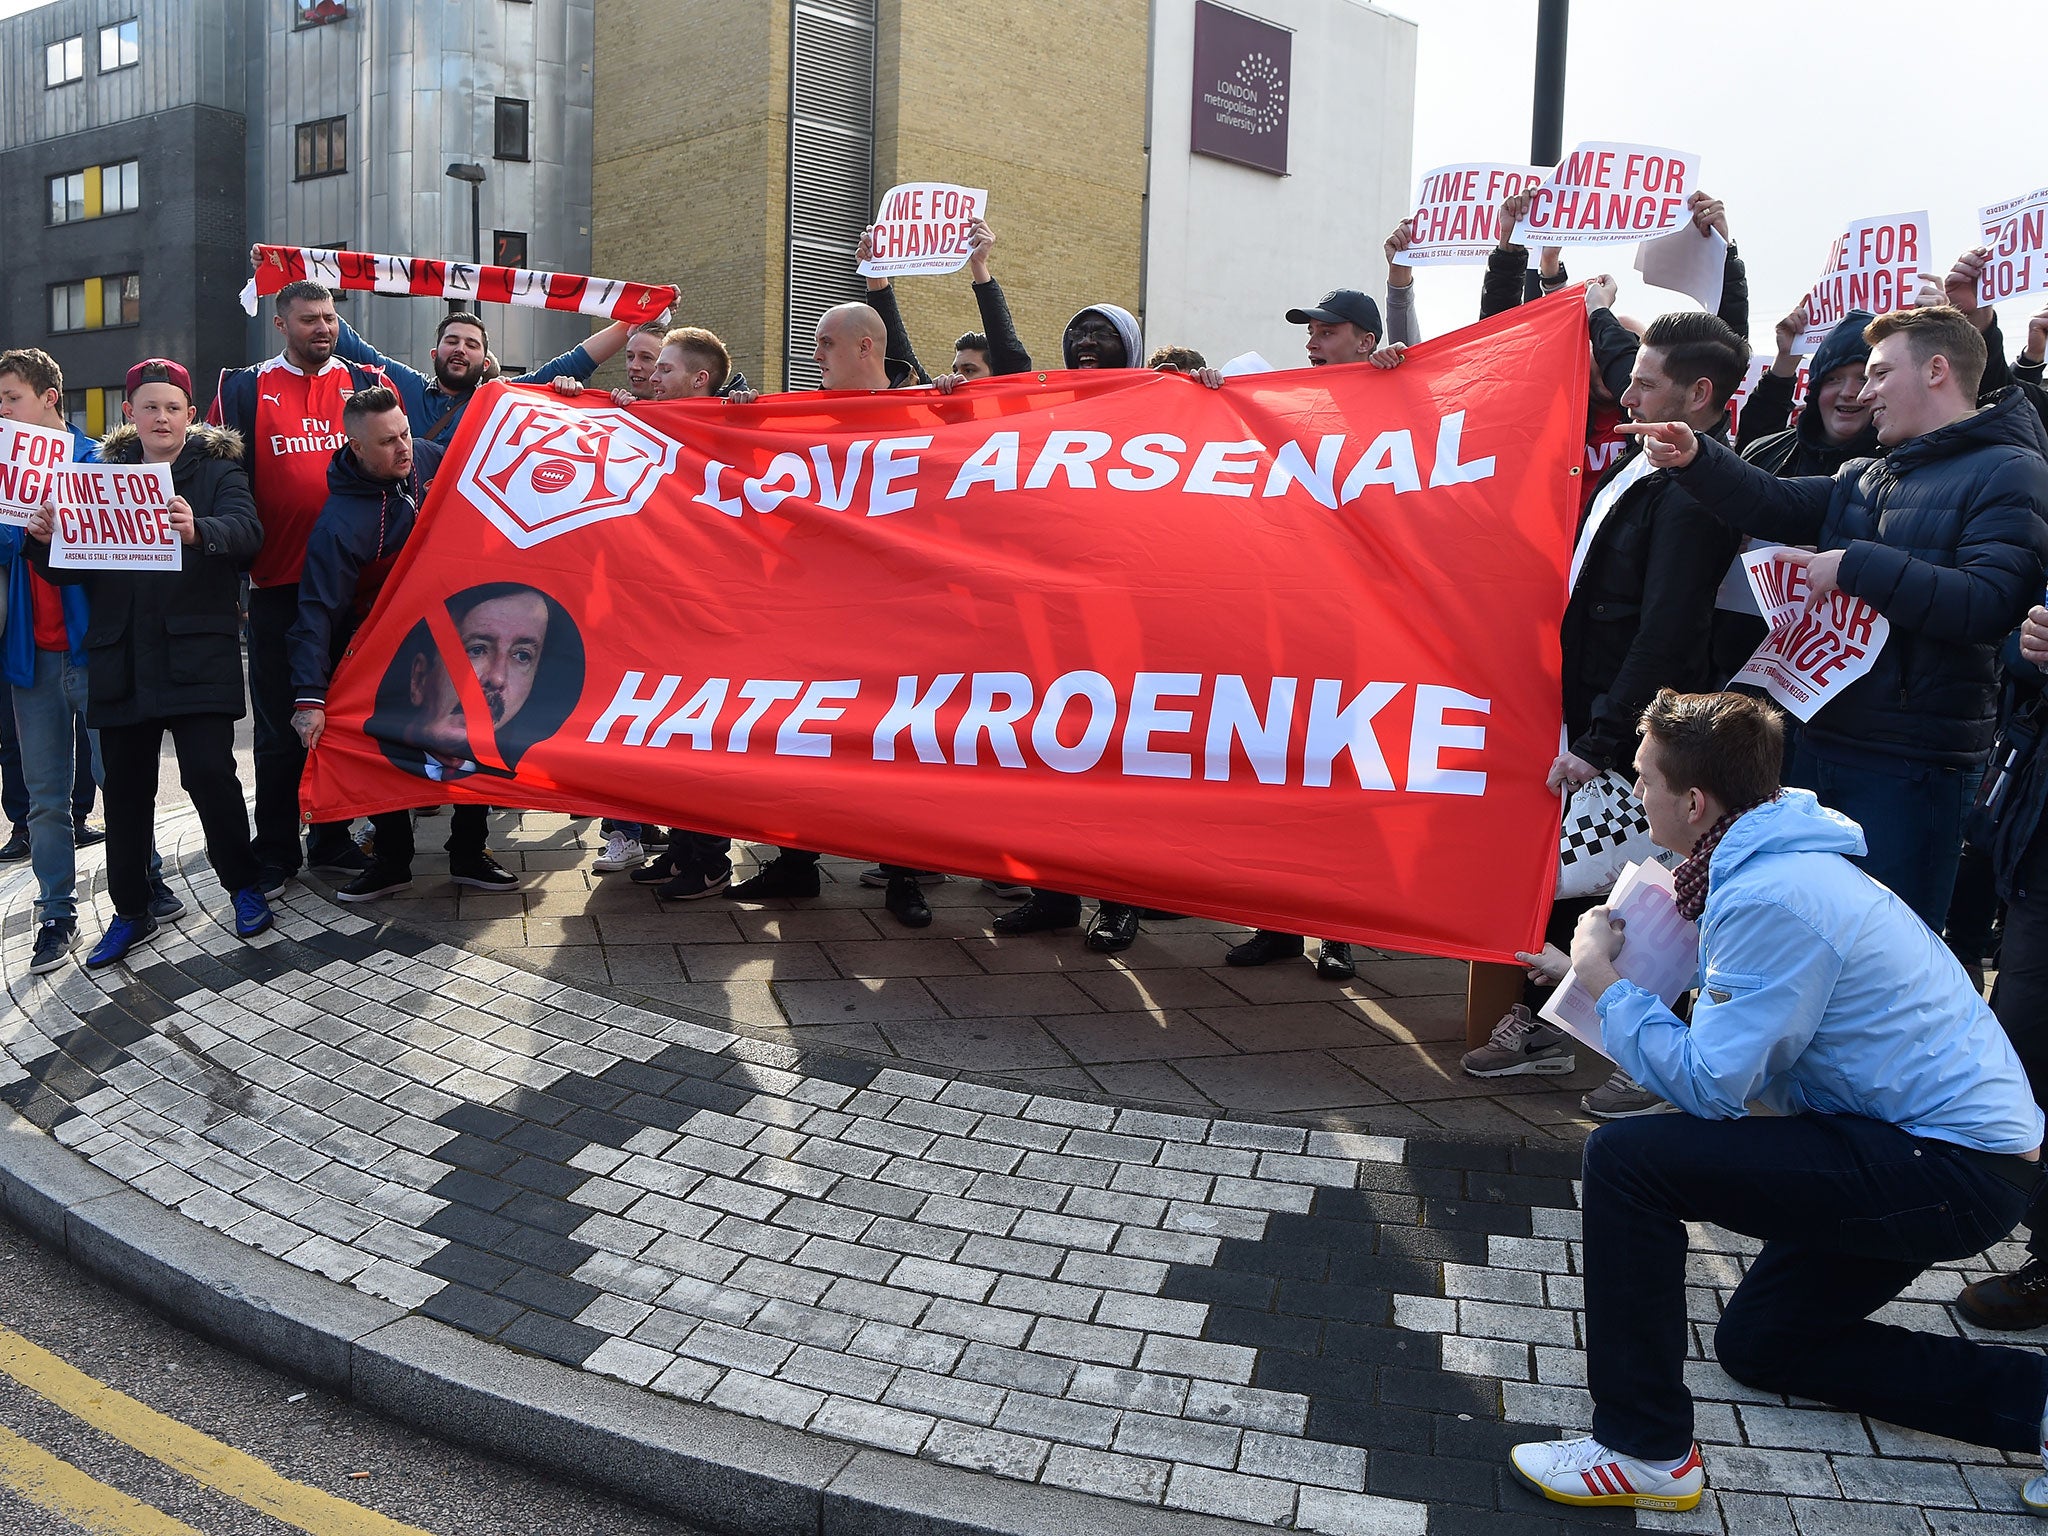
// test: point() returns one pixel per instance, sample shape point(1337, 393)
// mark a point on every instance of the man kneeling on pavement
point(375, 484)
point(1901, 1135)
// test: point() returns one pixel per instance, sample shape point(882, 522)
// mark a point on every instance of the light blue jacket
point(1820, 990)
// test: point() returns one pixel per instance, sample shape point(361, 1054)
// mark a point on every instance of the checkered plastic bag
point(1604, 831)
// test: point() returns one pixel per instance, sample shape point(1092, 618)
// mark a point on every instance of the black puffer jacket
point(163, 643)
point(1641, 615)
point(1943, 536)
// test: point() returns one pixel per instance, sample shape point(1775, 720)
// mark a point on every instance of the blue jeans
point(1851, 1211)
point(46, 718)
point(1911, 813)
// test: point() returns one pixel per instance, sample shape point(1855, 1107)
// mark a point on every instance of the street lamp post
point(1546, 127)
point(474, 175)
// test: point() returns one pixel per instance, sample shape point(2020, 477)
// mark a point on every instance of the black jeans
point(1850, 1211)
point(2020, 995)
point(280, 758)
point(467, 825)
point(700, 853)
point(206, 767)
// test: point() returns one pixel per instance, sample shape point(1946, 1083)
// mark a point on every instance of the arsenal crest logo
point(547, 468)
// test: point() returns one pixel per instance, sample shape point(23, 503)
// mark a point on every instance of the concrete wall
point(1229, 250)
point(690, 165)
point(1044, 105)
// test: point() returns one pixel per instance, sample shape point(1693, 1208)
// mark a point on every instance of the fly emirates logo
point(313, 436)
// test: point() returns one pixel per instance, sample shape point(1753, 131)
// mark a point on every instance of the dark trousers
point(1069, 905)
point(1972, 928)
point(1911, 814)
point(700, 853)
point(1850, 1211)
point(13, 787)
point(467, 826)
point(807, 856)
point(280, 757)
point(206, 767)
point(2020, 995)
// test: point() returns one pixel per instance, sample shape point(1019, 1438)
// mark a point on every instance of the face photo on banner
point(522, 653)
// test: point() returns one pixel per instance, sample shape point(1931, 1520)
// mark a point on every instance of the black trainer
point(54, 942)
point(85, 835)
point(780, 876)
point(658, 870)
point(1043, 913)
point(693, 886)
point(1114, 930)
point(15, 849)
point(1264, 947)
point(481, 871)
point(1334, 962)
point(375, 883)
point(905, 901)
point(343, 858)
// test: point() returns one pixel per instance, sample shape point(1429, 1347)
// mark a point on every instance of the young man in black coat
point(164, 655)
point(375, 484)
point(1645, 568)
point(1943, 535)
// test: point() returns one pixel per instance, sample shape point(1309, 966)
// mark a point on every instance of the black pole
point(476, 201)
point(1546, 124)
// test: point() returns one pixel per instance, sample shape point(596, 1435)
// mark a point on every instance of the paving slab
point(877, 1250)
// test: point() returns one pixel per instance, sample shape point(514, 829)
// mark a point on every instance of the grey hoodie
point(1126, 325)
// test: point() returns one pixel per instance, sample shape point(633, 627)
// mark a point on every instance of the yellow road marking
point(201, 1457)
point(50, 1483)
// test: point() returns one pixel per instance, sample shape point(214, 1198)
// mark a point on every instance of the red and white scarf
point(425, 277)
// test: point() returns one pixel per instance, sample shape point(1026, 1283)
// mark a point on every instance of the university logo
point(546, 468)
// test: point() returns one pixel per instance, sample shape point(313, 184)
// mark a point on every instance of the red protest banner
point(1284, 652)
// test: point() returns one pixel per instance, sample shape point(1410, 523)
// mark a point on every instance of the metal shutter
point(831, 167)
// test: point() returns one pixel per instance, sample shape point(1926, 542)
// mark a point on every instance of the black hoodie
point(1944, 536)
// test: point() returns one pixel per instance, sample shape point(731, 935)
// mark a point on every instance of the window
point(93, 411)
point(64, 62)
point(95, 192)
point(317, 13)
point(120, 46)
point(509, 140)
point(96, 304)
point(322, 149)
point(508, 248)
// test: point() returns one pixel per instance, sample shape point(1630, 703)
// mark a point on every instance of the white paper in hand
point(1660, 952)
point(1685, 261)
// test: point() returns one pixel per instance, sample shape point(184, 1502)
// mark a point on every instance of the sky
point(1805, 113)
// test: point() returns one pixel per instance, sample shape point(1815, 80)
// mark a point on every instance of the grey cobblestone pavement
point(1335, 1326)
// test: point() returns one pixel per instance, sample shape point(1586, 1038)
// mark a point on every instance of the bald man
point(850, 352)
point(852, 349)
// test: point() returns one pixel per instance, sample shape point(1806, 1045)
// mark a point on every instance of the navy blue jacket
point(1944, 536)
point(348, 554)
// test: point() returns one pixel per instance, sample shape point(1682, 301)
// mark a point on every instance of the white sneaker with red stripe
point(1583, 1471)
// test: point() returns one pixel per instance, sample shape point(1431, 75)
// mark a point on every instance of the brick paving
point(1165, 1023)
point(1294, 1323)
